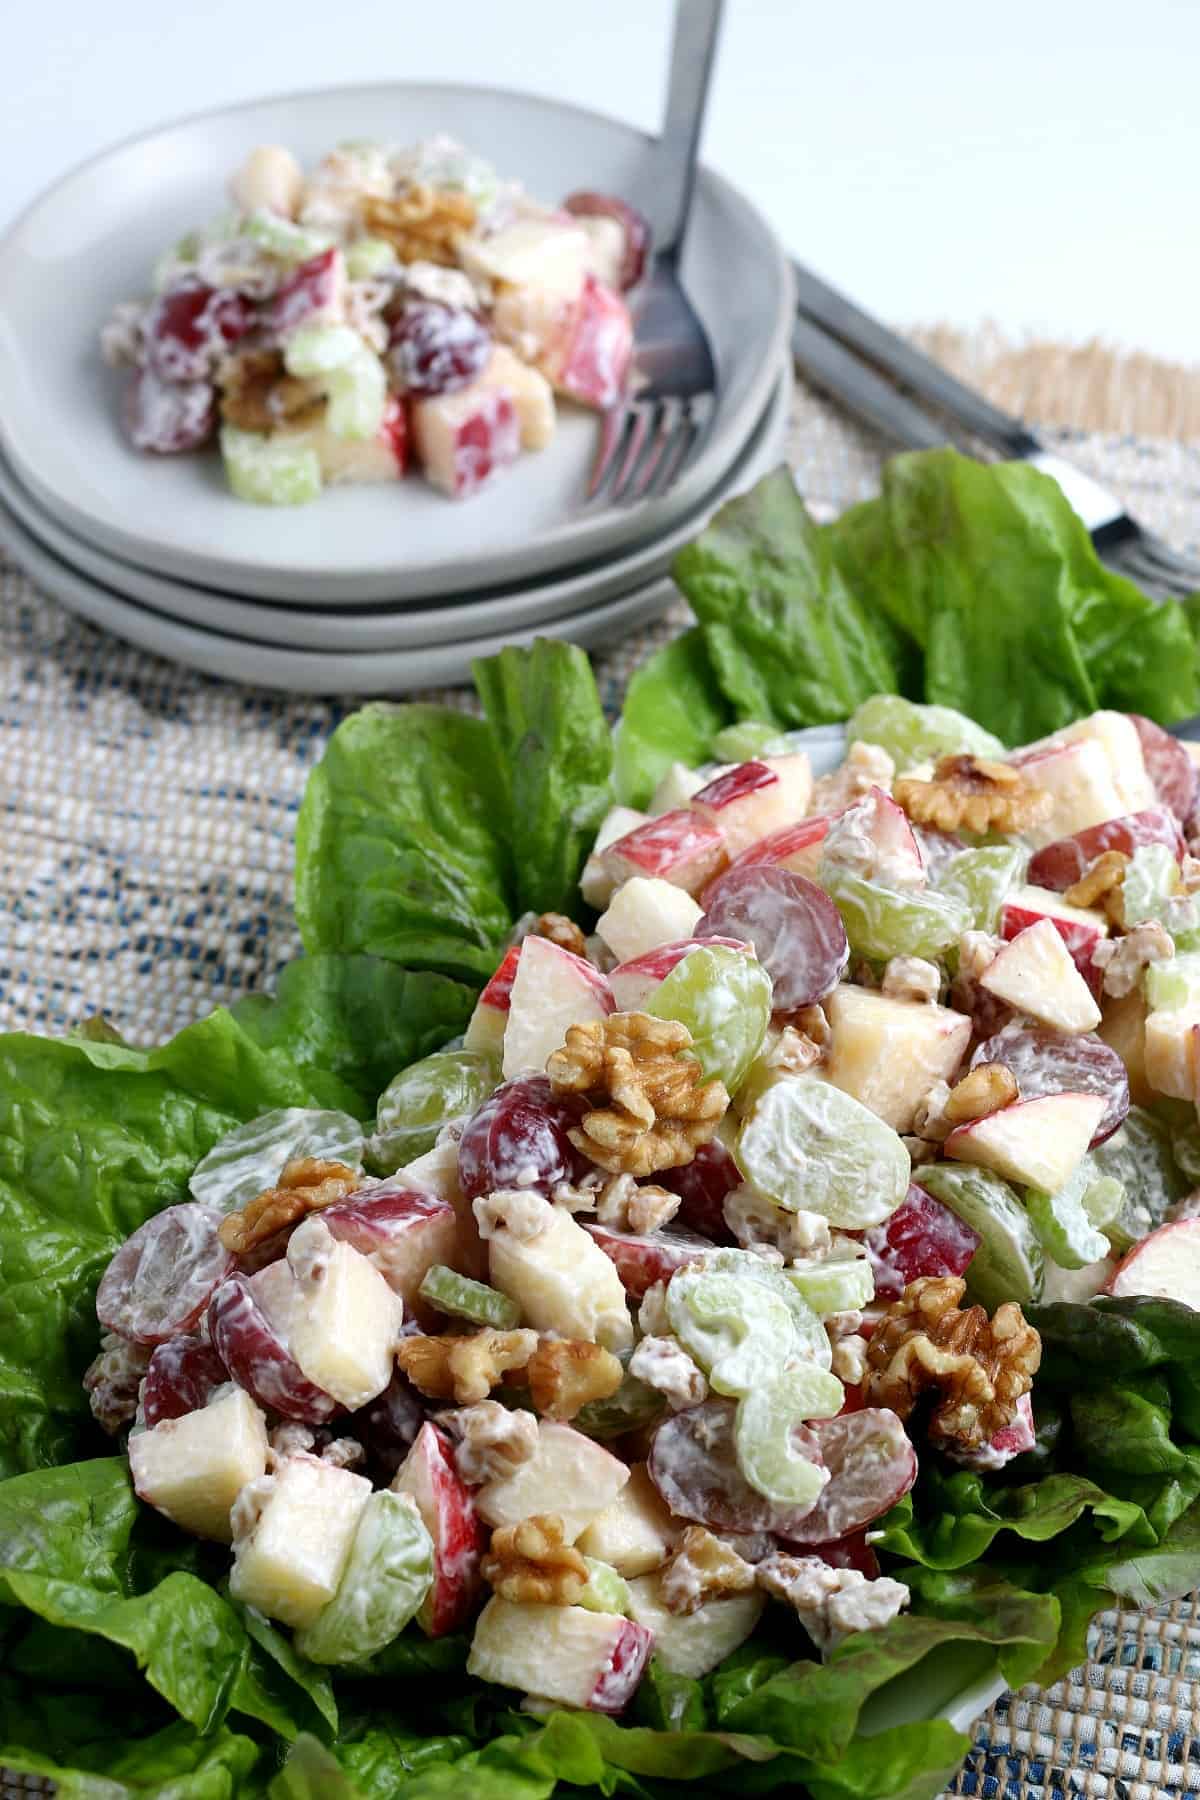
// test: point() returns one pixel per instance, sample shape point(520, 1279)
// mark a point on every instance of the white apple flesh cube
point(1166, 1265)
point(448, 1512)
point(561, 1653)
point(755, 798)
point(590, 360)
point(597, 884)
point(568, 1474)
point(1036, 1142)
point(679, 787)
point(464, 438)
point(1080, 928)
point(889, 1053)
point(1035, 974)
point(693, 1643)
point(898, 859)
point(437, 1171)
point(563, 1282)
point(1171, 1050)
point(485, 1029)
point(531, 394)
point(634, 1534)
point(679, 847)
point(645, 913)
point(1080, 779)
point(292, 1536)
point(402, 1230)
point(344, 1330)
point(1116, 737)
point(548, 254)
point(193, 1468)
point(552, 990)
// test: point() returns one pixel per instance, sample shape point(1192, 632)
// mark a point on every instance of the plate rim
point(574, 540)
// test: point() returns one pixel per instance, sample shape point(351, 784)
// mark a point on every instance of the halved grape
point(810, 1147)
point(743, 742)
point(1008, 1264)
point(795, 929)
point(723, 997)
point(982, 878)
point(1168, 765)
point(885, 922)
point(251, 1158)
point(182, 1376)
point(768, 1454)
point(463, 1298)
point(1048, 1062)
point(162, 1278)
point(871, 1463)
point(912, 733)
point(693, 1464)
point(1140, 1157)
point(518, 1138)
point(387, 1575)
point(702, 1186)
point(438, 1090)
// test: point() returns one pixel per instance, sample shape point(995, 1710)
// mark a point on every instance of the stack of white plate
point(367, 590)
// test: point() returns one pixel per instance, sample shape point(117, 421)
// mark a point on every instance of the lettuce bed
point(125, 1667)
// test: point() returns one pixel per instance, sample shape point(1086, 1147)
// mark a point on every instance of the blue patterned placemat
point(148, 818)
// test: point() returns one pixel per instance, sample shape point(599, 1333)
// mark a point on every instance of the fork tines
point(645, 443)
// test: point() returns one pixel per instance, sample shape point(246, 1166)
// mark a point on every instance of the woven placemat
point(149, 817)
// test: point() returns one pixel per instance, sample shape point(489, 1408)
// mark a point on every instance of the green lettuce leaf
point(961, 1514)
point(790, 642)
point(554, 761)
point(673, 709)
point(175, 1763)
point(398, 852)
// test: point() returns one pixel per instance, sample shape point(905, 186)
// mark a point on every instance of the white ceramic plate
point(364, 673)
point(92, 239)
point(384, 628)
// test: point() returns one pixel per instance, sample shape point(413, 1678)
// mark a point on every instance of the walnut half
point(983, 796)
point(530, 1564)
point(649, 1107)
point(304, 1187)
point(464, 1369)
point(975, 1368)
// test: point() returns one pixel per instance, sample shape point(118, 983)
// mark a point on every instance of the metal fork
point(860, 362)
point(648, 437)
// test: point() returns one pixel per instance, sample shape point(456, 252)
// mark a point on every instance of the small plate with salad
point(695, 1275)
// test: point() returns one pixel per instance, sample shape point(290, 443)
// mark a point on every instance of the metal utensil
point(863, 364)
point(649, 436)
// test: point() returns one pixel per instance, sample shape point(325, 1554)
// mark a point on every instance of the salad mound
point(390, 307)
point(746, 1260)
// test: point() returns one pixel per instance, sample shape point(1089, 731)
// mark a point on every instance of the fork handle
point(693, 50)
point(823, 305)
point(839, 373)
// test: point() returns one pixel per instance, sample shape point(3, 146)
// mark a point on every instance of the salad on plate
point(393, 308)
point(699, 1238)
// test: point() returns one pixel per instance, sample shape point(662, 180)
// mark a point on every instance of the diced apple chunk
point(531, 394)
point(755, 798)
point(429, 1477)
point(889, 1053)
point(485, 1028)
point(552, 990)
point(545, 253)
point(561, 1653)
point(464, 438)
point(1166, 1264)
point(401, 1229)
point(344, 1334)
point(636, 1533)
point(598, 884)
point(193, 1468)
point(1116, 736)
point(1081, 928)
point(1035, 974)
point(563, 1282)
point(1036, 1142)
point(568, 1474)
point(1123, 1029)
point(1172, 1052)
point(645, 913)
point(437, 1170)
point(292, 1535)
point(679, 847)
point(693, 1643)
point(589, 360)
point(1080, 779)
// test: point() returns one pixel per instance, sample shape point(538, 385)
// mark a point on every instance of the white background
point(1035, 162)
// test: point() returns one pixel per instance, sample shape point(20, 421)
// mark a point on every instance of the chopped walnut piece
point(258, 394)
point(113, 1381)
point(663, 1363)
point(849, 1362)
point(491, 1440)
point(977, 951)
point(702, 1568)
point(304, 1187)
point(464, 1369)
point(983, 796)
point(422, 223)
point(560, 930)
point(649, 1106)
point(831, 1603)
point(982, 1090)
point(812, 1023)
point(1189, 873)
point(911, 978)
point(978, 1368)
point(755, 1220)
point(1102, 884)
point(625, 1206)
point(652, 1317)
point(522, 1212)
point(530, 1563)
point(565, 1373)
point(919, 1151)
point(929, 1121)
point(866, 766)
point(1125, 959)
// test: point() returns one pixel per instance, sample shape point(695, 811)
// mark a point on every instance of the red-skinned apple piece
point(680, 847)
point(591, 362)
point(641, 1261)
point(1059, 865)
point(1080, 928)
point(1011, 1440)
point(564, 1653)
point(633, 982)
point(255, 1352)
point(428, 1476)
point(465, 438)
point(1036, 974)
point(1038, 1143)
point(1166, 1265)
point(187, 329)
point(552, 990)
point(1047, 1062)
point(1079, 777)
point(402, 1230)
point(485, 1031)
point(796, 847)
point(313, 294)
point(1171, 770)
